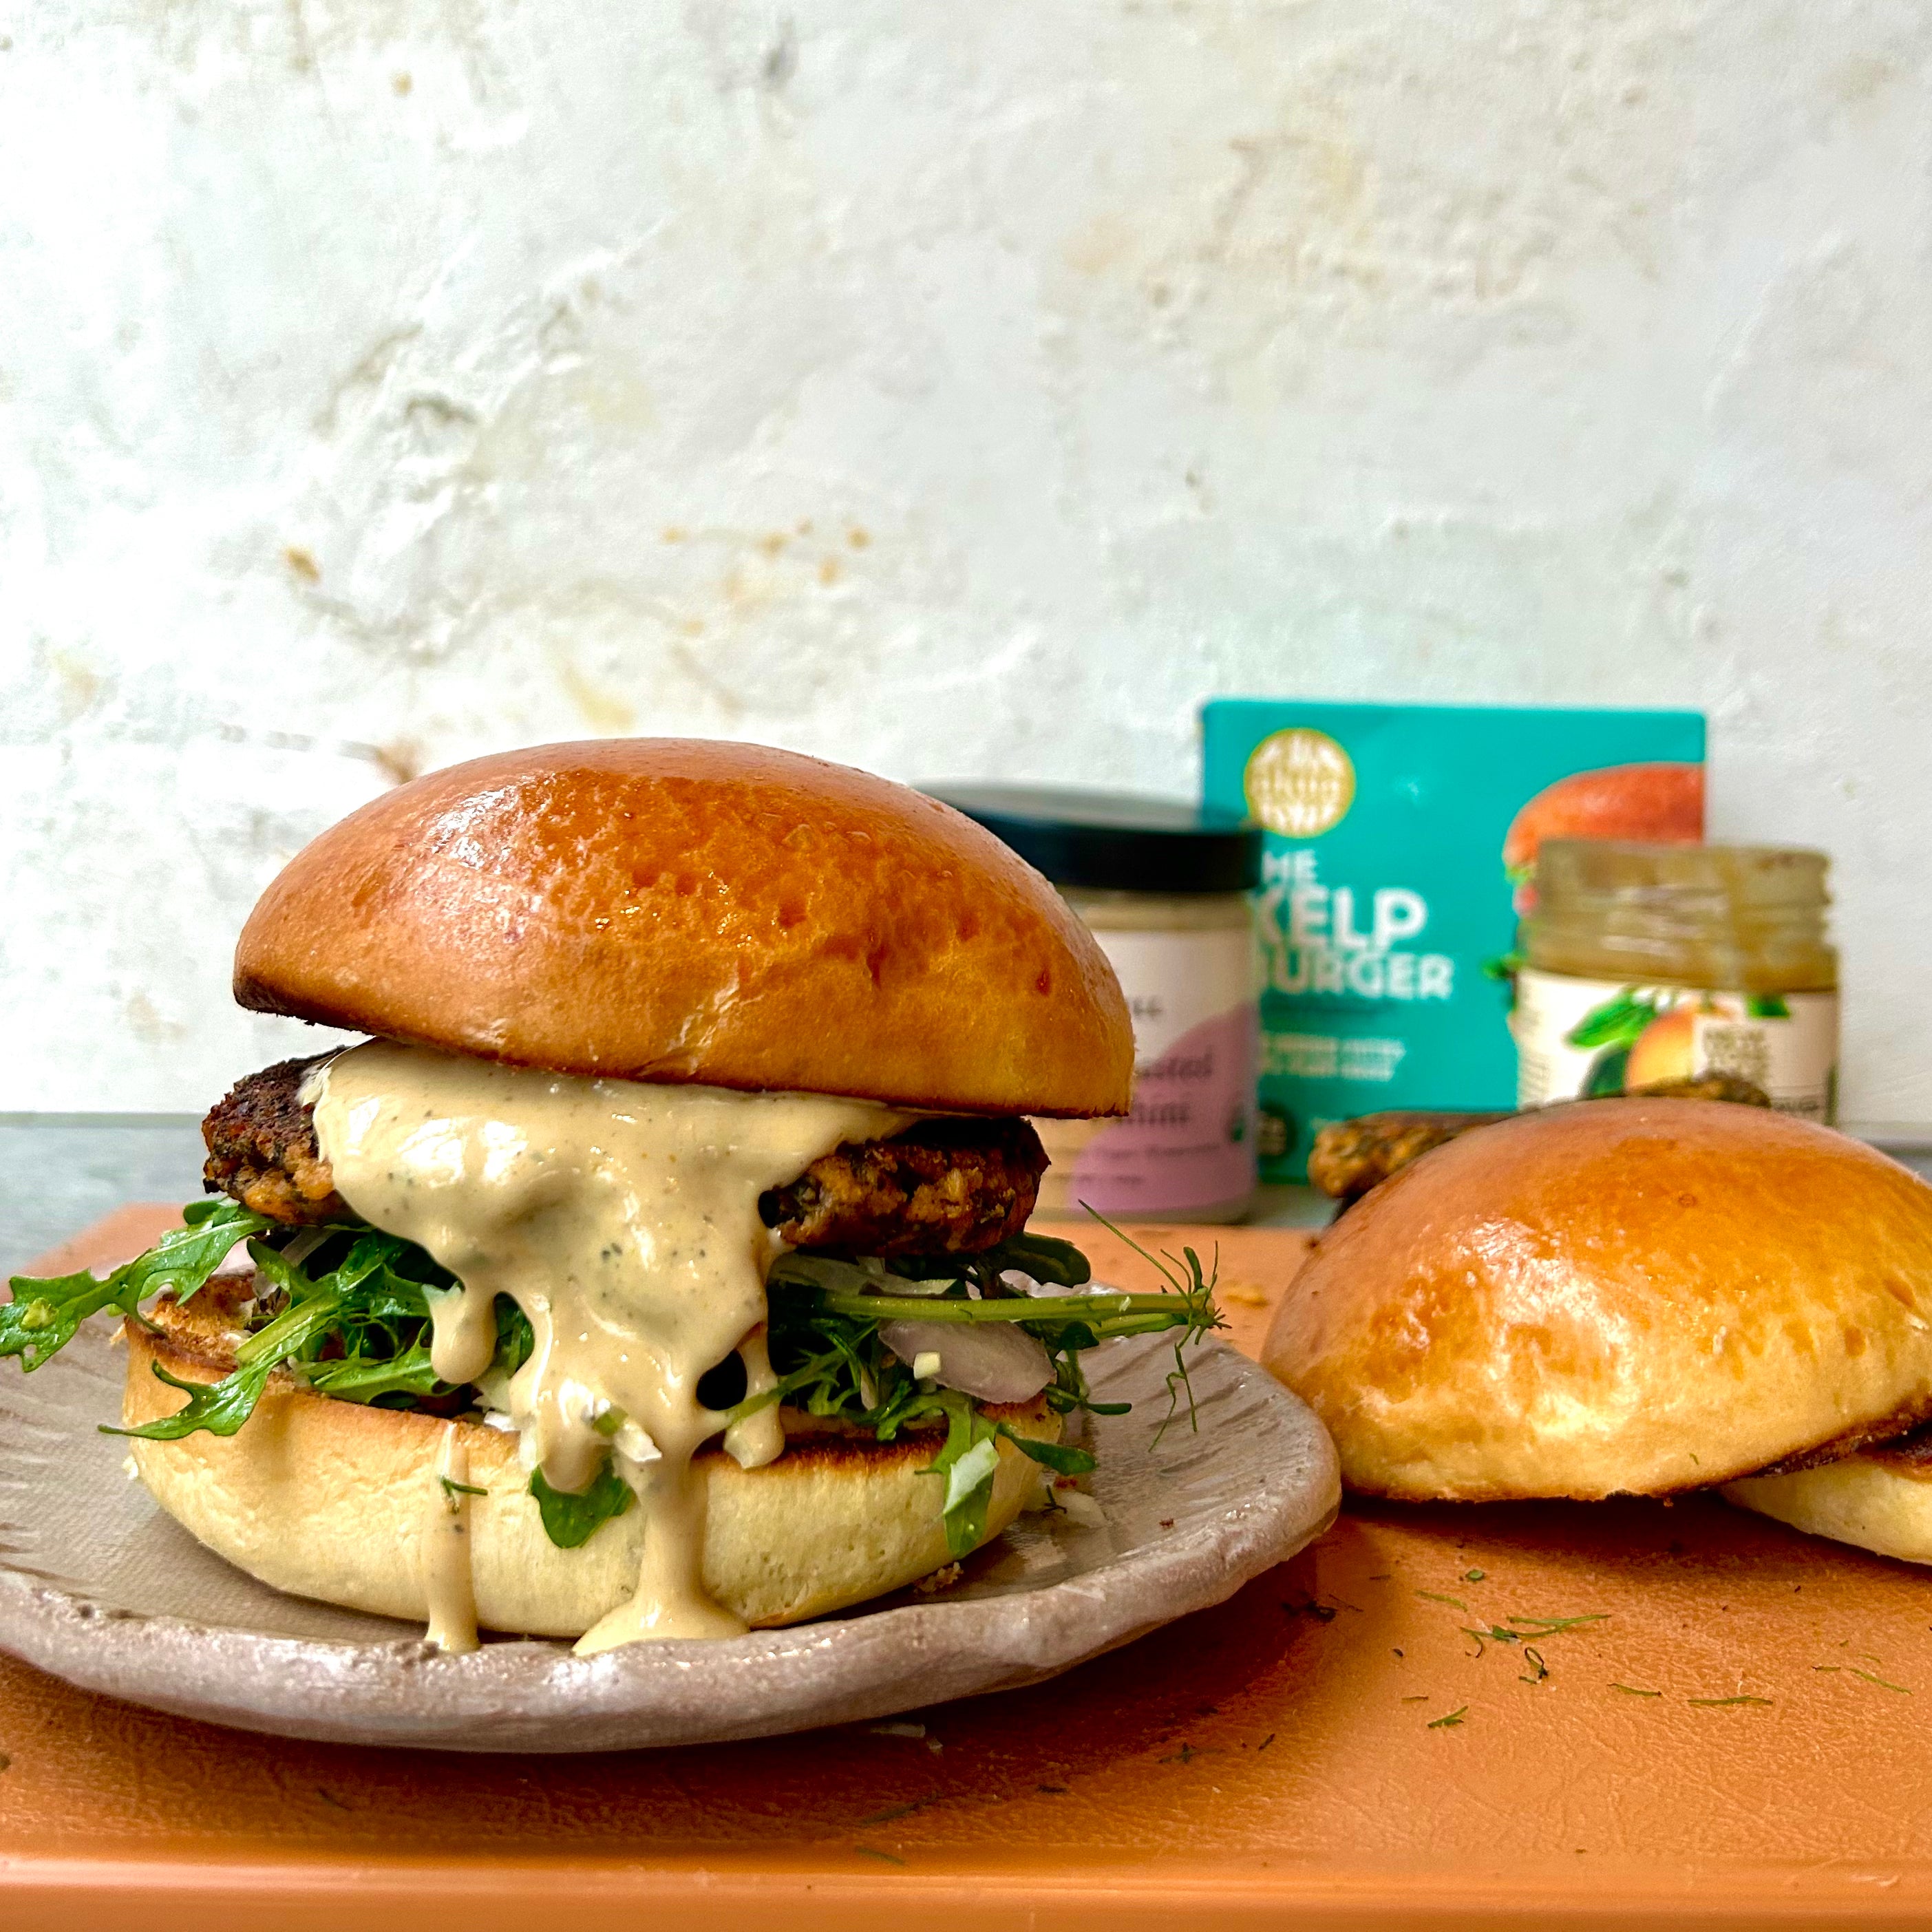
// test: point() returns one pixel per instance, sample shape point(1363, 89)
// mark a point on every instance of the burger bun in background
point(1632, 1296)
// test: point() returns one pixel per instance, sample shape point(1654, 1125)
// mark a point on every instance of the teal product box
point(1400, 843)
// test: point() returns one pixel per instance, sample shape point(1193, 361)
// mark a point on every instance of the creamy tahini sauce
point(623, 1220)
point(449, 1576)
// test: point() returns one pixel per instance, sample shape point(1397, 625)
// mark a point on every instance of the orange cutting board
point(1736, 1736)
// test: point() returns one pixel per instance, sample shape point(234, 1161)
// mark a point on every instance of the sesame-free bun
point(1615, 1296)
point(1881, 1499)
point(680, 909)
point(327, 1499)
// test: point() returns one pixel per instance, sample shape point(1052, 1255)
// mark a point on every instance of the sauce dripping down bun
point(619, 991)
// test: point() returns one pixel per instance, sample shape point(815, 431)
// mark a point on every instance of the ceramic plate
point(97, 1586)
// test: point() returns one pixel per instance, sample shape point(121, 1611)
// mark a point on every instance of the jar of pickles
point(1646, 967)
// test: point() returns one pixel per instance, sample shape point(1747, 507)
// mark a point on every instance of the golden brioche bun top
point(685, 911)
point(1615, 1296)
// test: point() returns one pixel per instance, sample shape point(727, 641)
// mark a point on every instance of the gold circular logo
point(1300, 783)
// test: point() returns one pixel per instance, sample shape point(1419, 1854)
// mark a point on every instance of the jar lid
point(1712, 916)
point(1115, 842)
point(1714, 881)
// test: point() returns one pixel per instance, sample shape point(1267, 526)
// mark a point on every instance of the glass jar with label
point(1164, 887)
point(1645, 966)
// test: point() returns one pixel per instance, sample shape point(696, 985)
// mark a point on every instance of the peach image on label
point(1666, 1049)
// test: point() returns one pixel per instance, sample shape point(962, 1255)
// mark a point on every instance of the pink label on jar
point(1189, 1142)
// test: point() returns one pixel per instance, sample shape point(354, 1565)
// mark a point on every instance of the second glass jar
point(1648, 966)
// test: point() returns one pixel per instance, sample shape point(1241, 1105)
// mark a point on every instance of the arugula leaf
point(45, 1316)
point(278, 1269)
point(969, 1489)
point(184, 1257)
point(1062, 1458)
point(515, 1338)
point(46, 1313)
point(571, 1521)
point(222, 1407)
point(969, 1463)
point(815, 1369)
point(1059, 1263)
point(368, 1379)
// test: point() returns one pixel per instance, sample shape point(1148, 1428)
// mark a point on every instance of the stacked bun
point(1632, 1297)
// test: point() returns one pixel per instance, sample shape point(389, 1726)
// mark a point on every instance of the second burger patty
point(944, 1186)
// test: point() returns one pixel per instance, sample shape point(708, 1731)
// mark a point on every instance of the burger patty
point(945, 1187)
point(1903, 1437)
point(1350, 1157)
point(261, 1150)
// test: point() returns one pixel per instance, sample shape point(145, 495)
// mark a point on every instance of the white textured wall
point(959, 390)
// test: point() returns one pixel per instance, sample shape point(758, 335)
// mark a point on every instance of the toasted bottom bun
point(328, 1498)
point(1881, 1500)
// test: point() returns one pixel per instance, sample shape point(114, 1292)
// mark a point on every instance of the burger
point(658, 1266)
point(1632, 1297)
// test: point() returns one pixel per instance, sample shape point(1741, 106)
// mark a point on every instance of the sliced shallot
point(994, 1360)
